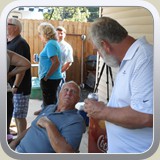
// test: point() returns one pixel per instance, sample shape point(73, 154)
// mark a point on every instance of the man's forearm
point(128, 118)
point(57, 141)
point(125, 116)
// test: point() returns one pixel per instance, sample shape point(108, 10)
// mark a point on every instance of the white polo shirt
point(133, 87)
point(66, 54)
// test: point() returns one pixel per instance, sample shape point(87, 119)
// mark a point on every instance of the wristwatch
point(14, 86)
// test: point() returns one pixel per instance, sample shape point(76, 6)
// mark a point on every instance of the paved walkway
point(35, 104)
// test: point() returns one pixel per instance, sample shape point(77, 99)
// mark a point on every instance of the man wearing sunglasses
point(21, 92)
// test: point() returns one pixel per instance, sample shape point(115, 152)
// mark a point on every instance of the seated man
point(57, 129)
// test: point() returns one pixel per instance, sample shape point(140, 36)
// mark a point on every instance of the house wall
point(139, 22)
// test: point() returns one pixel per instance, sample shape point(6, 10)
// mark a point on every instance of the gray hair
point(72, 82)
point(47, 30)
point(16, 22)
point(108, 29)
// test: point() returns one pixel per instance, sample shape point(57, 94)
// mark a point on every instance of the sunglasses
point(11, 24)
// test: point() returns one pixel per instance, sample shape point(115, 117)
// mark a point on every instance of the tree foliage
point(79, 14)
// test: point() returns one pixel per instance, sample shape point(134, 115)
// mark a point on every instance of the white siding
point(139, 22)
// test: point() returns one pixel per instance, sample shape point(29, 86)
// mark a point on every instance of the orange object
point(97, 141)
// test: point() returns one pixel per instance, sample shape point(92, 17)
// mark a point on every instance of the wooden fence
point(74, 32)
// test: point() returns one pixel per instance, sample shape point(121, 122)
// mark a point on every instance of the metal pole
point(83, 37)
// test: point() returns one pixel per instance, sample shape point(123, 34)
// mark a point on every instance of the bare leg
point(21, 125)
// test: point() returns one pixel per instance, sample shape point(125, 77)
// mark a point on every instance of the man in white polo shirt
point(129, 113)
point(66, 51)
point(66, 54)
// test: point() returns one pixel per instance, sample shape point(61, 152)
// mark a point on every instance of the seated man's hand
point(43, 121)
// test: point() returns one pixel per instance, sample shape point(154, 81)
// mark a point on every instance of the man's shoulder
point(22, 40)
point(78, 120)
point(19, 41)
point(65, 43)
point(75, 115)
point(49, 108)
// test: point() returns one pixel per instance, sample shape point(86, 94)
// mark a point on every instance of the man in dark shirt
point(22, 90)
